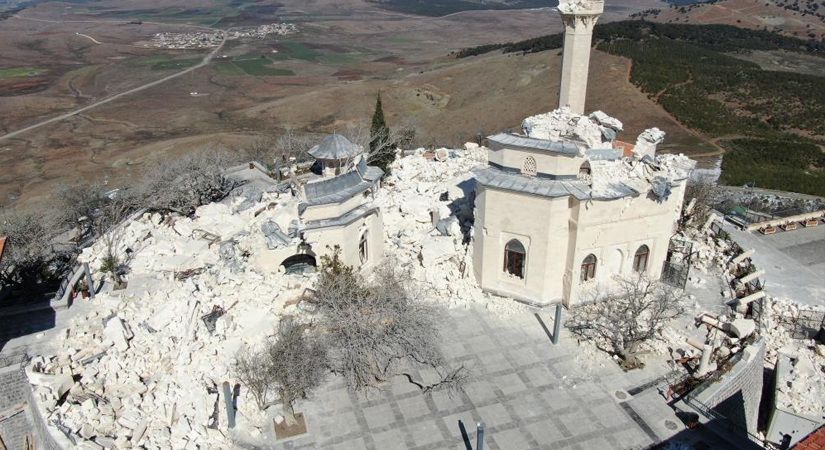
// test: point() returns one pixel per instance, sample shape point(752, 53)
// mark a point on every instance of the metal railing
point(806, 324)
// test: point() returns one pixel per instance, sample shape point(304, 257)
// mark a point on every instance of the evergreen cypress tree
point(379, 136)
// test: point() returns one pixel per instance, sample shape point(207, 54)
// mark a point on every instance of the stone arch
point(616, 262)
point(515, 257)
point(299, 263)
point(589, 267)
point(640, 259)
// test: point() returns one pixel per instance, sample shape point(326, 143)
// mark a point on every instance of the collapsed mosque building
point(565, 202)
point(333, 212)
point(556, 211)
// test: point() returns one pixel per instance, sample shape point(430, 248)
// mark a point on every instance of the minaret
point(579, 17)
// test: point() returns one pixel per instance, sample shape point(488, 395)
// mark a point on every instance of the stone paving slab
point(528, 393)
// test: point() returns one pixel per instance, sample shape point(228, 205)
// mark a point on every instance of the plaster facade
point(559, 233)
point(334, 211)
point(563, 205)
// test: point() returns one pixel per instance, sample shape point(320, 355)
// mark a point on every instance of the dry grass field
point(57, 57)
point(754, 14)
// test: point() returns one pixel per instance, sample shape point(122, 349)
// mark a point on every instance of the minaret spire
point(579, 17)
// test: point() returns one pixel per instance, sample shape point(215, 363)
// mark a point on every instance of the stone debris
point(612, 178)
point(142, 369)
point(804, 391)
point(647, 141)
point(428, 218)
point(562, 123)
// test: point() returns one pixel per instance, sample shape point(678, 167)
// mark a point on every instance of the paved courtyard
point(528, 394)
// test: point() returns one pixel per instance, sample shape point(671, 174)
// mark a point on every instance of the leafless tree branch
point(620, 317)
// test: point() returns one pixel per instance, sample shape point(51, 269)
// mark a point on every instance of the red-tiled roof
point(627, 149)
point(814, 441)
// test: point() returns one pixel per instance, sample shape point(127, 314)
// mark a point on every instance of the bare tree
point(183, 183)
point(290, 366)
point(29, 253)
point(621, 316)
point(70, 203)
point(254, 369)
point(298, 364)
point(377, 328)
point(109, 223)
point(700, 195)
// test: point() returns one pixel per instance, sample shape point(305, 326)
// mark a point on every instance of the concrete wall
point(613, 230)
point(738, 393)
point(334, 209)
point(323, 240)
point(546, 162)
point(15, 390)
point(540, 224)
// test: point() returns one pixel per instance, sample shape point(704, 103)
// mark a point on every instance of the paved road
point(206, 60)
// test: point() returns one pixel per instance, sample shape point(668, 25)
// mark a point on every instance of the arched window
point(529, 168)
point(363, 249)
point(640, 259)
point(589, 267)
point(514, 257)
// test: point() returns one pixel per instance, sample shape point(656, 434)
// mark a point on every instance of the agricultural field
point(175, 64)
point(19, 72)
point(321, 79)
point(256, 67)
point(446, 7)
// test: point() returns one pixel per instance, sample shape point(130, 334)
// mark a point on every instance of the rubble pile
point(595, 130)
point(611, 178)
point(804, 391)
point(148, 362)
point(144, 369)
point(428, 217)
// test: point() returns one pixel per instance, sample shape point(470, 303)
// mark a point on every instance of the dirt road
point(206, 60)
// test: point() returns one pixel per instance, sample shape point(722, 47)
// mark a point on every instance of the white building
point(340, 212)
point(332, 211)
point(565, 203)
point(335, 154)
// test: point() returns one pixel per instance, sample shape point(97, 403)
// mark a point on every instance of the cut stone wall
point(737, 395)
point(14, 391)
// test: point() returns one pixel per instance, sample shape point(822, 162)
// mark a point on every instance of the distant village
point(203, 39)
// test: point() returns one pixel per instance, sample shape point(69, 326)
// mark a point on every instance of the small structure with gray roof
point(335, 154)
point(338, 211)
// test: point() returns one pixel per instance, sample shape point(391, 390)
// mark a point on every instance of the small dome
point(335, 146)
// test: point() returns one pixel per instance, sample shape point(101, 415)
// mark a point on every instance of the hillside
point(691, 71)
point(799, 18)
